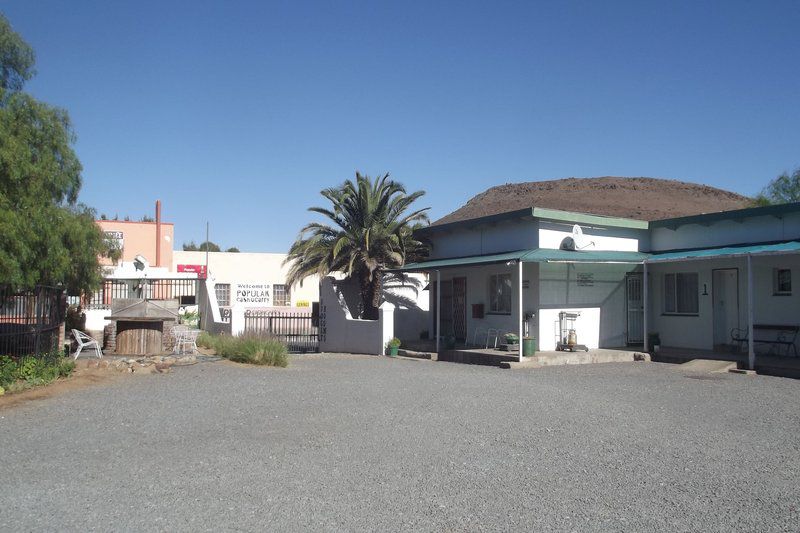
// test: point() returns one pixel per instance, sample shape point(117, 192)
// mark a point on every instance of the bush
point(19, 374)
point(249, 348)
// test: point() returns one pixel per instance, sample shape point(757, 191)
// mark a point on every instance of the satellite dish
point(140, 263)
point(577, 241)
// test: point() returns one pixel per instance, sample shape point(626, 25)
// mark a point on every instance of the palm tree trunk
point(370, 293)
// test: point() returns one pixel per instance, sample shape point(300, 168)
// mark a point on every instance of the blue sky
point(240, 112)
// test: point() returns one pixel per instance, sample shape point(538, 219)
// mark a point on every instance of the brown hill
point(639, 198)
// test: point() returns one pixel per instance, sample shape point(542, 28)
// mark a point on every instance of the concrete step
point(708, 365)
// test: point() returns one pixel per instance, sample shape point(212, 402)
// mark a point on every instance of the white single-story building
point(702, 282)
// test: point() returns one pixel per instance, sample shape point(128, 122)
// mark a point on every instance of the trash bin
point(528, 346)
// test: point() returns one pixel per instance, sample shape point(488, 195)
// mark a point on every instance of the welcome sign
point(253, 294)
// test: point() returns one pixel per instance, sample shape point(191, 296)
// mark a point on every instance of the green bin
point(528, 346)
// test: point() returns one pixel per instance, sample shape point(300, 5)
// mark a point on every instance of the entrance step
point(709, 365)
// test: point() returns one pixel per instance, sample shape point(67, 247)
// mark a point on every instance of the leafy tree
point(371, 229)
point(147, 218)
point(48, 238)
point(782, 190)
point(233, 249)
point(192, 247)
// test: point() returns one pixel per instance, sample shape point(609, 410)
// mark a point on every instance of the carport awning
point(728, 251)
point(536, 255)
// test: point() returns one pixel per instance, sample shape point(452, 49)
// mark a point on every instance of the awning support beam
point(521, 316)
point(751, 354)
point(645, 305)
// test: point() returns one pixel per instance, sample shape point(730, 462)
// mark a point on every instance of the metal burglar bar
point(30, 321)
point(295, 329)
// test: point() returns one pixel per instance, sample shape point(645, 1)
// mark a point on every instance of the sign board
point(117, 237)
point(253, 294)
point(200, 270)
point(585, 279)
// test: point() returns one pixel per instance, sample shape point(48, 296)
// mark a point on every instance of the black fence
point(30, 321)
point(295, 329)
point(183, 290)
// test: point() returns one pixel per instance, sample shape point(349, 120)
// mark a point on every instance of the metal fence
point(183, 290)
point(295, 329)
point(30, 321)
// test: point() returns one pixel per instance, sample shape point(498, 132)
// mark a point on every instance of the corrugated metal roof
point(728, 251)
point(536, 255)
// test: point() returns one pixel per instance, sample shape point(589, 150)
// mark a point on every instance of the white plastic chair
point(178, 335)
point(86, 341)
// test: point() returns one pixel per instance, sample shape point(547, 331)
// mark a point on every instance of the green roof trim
point(536, 255)
point(727, 251)
point(736, 215)
point(587, 218)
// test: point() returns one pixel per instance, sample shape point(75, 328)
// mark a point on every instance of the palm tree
point(370, 229)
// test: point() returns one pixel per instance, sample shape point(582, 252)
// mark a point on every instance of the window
point(781, 281)
point(500, 293)
point(280, 295)
point(223, 291)
point(680, 293)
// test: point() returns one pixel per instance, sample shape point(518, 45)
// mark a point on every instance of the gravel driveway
point(372, 443)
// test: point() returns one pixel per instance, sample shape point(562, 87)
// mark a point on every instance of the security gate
point(295, 329)
point(635, 308)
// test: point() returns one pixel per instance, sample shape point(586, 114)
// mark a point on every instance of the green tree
point(233, 249)
point(192, 247)
point(782, 190)
point(48, 238)
point(370, 229)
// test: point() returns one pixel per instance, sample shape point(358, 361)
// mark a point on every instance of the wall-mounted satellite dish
point(577, 241)
point(140, 263)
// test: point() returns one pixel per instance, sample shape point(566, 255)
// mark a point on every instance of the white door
point(635, 299)
point(725, 289)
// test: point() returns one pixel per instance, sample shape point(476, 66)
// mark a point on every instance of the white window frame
point(224, 288)
point(671, 301)
point(776, 288)
point(286, 301)
point(493, 283)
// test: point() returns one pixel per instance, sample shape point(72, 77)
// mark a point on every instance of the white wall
point(339, 332)
point(698, 331)
point(597, 291)
point(411, 305)
point(263, 269)
point(758, 229)
point(504, 236)
point(551, 234)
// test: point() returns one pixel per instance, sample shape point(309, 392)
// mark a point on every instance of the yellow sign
point(302, 303)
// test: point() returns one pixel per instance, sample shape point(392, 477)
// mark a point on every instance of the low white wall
point(339, 332)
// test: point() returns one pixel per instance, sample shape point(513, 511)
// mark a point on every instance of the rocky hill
point(639, 198)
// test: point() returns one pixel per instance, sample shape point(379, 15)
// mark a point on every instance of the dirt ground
point(638, 198)
point(82, 377)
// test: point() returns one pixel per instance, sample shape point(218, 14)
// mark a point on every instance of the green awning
point(536, 255)
point(727, 251)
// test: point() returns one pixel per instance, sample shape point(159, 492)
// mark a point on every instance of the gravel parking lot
point(372, 443)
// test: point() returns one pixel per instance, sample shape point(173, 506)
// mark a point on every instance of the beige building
point(255, 280)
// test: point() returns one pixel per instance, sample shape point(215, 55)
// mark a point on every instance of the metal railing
point(30, 321)
point(295, 329)
point(183, 290)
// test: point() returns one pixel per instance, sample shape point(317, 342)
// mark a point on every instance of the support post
point(645, 306)
point(751, 354)
point(521, 316)
point(438, 332)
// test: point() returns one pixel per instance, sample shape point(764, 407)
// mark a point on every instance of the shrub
point(19, 374)
point(393, 342)
point(249, 348)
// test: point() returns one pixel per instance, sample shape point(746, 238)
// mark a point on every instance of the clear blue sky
point(240, 112)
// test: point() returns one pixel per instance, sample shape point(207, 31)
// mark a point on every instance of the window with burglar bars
point(681, 293)
point(280, 295)
point(223, 291)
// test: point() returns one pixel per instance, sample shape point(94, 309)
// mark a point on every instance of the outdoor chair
point(86, 341)
point(485, 335)
point(186, 341)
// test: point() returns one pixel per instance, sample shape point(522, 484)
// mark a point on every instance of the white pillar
point(438, 332)
point(521, 317)
point(645, 306)
point(751, 354)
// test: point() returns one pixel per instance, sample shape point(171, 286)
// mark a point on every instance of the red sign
point(200, 270)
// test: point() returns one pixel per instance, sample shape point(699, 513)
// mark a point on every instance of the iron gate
point(293, 328)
